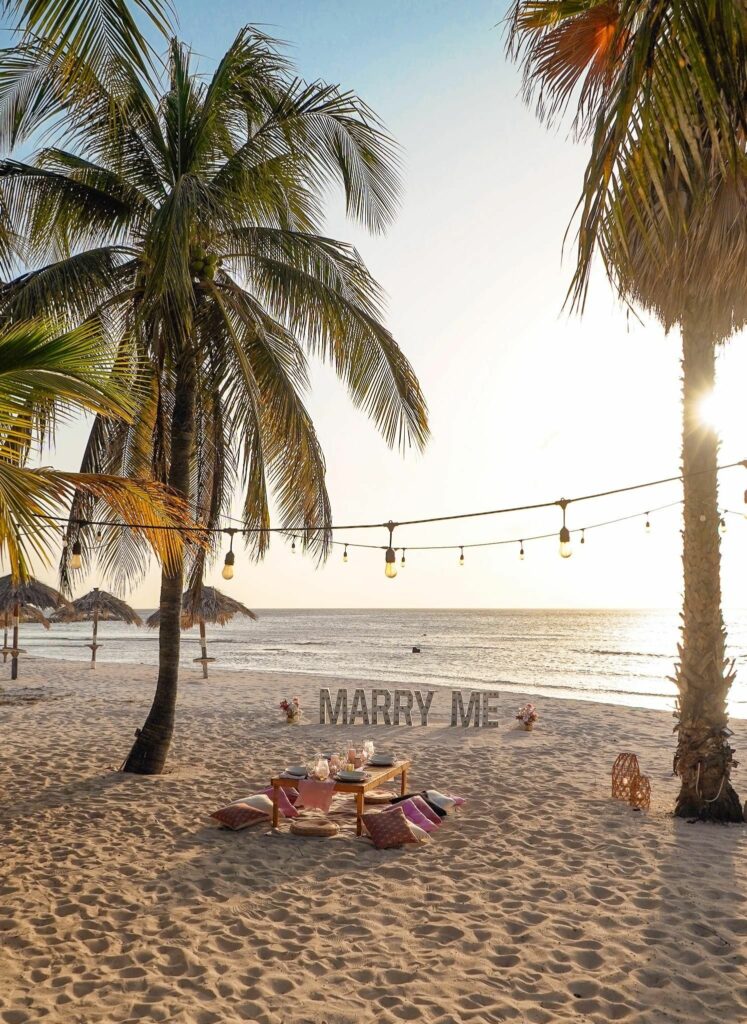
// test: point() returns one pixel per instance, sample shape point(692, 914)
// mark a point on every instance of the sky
point(528, 403)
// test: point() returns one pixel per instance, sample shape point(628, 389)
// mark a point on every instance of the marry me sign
point(405, 707)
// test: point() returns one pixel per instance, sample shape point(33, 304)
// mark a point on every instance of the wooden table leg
point(275, 807)
point(359, 813)
point(404, 782)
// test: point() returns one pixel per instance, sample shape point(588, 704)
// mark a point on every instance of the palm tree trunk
point(5, 639)
point(151, 746)
point(704, 757)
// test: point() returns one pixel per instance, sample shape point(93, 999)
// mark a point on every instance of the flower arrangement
point(291, 709)
point(527, 715)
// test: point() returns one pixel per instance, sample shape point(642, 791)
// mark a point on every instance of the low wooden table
point(359, 789)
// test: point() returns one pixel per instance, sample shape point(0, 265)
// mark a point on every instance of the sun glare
point(711, 411)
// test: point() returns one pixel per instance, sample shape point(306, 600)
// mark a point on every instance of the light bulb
point(722, 526)
point(402, 560)
point(227, 573)
point(745, 505)
point(565, 542)
point(345, 554)
point(583, 536)
point(390, 569)
point(76, 561)
point(521, 550)
point(461, 558)
point(293, 546)
point(648, 524)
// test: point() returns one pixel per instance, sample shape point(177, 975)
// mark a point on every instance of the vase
point(528, 726)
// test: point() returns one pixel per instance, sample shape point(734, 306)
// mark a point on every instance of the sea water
point(619, 657)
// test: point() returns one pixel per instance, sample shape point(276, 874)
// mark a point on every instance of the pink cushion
point(285, 802)
point(414, 815)
point(389, 828)
point(425, 809)
point(238, 816)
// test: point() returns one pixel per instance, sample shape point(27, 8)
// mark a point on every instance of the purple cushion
point(425, 809)
point(414, 815)
point(285, 801)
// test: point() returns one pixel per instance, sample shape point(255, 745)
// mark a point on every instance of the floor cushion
point(378, 796)
point(238, 815)
point(426, 810)
point(285, 804)
point(415, 816)
point(317, 826)
point(389, 828)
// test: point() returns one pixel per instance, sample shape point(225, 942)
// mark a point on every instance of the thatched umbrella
point(201, 605)
point(25, 601)
point(97, 606)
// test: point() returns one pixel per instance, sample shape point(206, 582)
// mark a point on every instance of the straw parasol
point(97, 606)
point(205, 604)
point(24, 601)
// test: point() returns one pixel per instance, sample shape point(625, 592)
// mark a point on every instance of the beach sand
point(542, 901)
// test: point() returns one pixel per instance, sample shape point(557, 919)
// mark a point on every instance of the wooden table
point(359, 789)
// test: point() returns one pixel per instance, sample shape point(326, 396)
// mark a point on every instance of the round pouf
point(313, 827)
point(378, 796)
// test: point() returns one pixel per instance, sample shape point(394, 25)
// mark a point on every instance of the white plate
point(297, 772)
point(352, 776)
point(383, 762)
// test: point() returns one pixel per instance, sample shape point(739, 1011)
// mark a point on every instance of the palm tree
point(660, 89)
point(47, 374)
point(57, 47)
point(190, 224)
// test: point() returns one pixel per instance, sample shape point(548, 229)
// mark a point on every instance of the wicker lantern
point(624, 773)
point(640, 796)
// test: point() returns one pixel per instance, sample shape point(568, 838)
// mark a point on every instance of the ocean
point(617, 657)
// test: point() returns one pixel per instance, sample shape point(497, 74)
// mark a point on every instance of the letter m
point(326, 714)
point(458, 715)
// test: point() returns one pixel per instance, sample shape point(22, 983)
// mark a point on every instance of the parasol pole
point(93, 645)
point(14, 652)
point(203, 645)
point(6, 649)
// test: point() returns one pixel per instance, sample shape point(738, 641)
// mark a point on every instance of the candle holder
point(640, 796)
point(625, 772)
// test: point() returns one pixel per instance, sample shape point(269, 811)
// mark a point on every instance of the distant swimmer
point(416, 650)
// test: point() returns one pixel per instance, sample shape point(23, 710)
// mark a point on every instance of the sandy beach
point(542, 901)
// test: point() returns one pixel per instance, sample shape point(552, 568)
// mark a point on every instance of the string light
point(76, 561)
point(402, 560)
point(326, 529)
point(565, 533)
point(227, 572)
point(390, 559)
